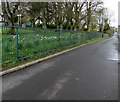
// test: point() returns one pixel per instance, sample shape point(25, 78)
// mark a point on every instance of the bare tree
point(10, 11)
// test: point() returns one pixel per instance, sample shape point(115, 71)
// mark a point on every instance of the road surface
point(88, 73)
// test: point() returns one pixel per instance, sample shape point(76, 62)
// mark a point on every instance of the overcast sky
point(112, 6)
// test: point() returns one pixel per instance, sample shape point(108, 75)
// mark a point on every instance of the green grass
point(37, 43)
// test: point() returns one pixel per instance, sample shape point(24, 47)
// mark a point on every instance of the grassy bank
point(44, 54)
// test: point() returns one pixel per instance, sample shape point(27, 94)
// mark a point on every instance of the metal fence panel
point(31, 42)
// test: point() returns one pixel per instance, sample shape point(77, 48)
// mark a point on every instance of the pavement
point(87, 73)
point(118, 69)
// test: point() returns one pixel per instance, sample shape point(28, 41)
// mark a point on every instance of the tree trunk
point(12, 30)
point(75, 28)
point(88, 23)
point(71, 25)
point(61, 27)
point(44, 20)
point(83, 26)
point(67, 26)
point(71, 28)
point(33, 23)
point(57, 27)
point(44, 24)
point(89, 15)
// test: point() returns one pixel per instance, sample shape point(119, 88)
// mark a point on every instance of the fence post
point(77, 37)
point(59, 38)
point(16, 42)
point(70, 37)
point(43, 41)
point(102, 34)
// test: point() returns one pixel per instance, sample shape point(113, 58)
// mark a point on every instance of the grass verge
point(48, 53)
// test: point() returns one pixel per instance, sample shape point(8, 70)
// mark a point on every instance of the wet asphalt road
point(88, 73)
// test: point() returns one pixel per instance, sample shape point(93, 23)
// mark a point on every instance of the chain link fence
point(26, 43)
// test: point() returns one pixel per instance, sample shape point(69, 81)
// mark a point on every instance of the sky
point(112, 6)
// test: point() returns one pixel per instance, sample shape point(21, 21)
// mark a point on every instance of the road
point(87, 73)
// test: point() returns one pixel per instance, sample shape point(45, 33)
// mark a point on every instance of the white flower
point(14, 37)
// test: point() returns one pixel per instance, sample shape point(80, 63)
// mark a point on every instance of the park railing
point(26, 43)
